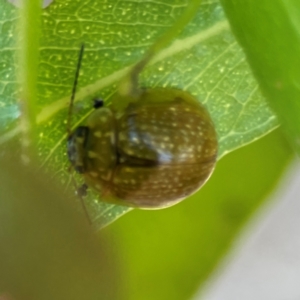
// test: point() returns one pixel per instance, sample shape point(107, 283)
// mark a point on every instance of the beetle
point(151, 154)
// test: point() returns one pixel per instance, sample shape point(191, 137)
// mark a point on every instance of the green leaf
point(272, 44)
point(205, 60)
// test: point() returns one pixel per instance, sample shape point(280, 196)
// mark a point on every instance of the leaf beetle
point(158, 150)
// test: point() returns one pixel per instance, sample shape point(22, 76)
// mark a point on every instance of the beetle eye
point(71, 149)
point(98, 103)
point(76, 148)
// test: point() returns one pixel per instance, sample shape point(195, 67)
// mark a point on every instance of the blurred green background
point(168, 254)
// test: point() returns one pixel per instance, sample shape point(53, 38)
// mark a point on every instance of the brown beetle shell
point(159, 150)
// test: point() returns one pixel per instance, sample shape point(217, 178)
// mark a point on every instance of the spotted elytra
point(158, 150)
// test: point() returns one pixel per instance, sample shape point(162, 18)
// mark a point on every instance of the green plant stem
point(29, 33)
point(129, 86)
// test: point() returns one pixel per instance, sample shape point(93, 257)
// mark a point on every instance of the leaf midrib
point(176, 47)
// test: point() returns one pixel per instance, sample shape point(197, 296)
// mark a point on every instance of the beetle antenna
point(74, 89)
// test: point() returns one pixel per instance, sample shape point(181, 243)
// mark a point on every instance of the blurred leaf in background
point(47, 248)
point(272, 46)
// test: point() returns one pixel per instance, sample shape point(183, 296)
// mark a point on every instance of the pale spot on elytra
point(98, 134)
point(93, 174)
point(92, 154)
